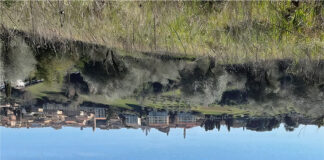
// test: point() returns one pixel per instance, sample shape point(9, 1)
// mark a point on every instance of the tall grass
point(233, 32)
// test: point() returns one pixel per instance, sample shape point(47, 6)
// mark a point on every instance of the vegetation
point(53, 92)
point(219, 110)
point(122, 103)
point(45, 90)
point(53, 68)
point(233, 32)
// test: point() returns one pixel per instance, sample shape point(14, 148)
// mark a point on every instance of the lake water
point(305, 142)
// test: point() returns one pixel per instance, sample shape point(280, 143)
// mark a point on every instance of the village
point(58, 116)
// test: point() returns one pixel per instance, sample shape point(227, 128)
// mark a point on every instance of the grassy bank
point(233, 32)
point(53, 92)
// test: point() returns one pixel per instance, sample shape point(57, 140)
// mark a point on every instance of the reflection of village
point(58, 116)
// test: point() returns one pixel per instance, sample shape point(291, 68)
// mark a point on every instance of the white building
point(19, 84)
point(132, 120)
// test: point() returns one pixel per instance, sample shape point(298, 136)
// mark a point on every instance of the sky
point(306, 142)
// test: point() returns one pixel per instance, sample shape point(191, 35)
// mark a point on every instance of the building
point(19, 84)
point(156, 118)
point(132, 120)
point(100, 113)
point(186, 118)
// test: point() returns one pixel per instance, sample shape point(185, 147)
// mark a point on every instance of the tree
point(17, 59)
point(8, 89)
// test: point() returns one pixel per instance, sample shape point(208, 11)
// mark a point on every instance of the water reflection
point(106, 117)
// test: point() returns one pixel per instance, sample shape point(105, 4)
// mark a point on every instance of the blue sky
point(306, 142)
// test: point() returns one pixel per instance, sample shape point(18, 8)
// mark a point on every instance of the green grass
point(219, 110)
point(44, 89)
point(108, 101)
point(172, 93)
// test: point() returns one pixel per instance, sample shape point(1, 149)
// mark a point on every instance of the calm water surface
point(305, 142)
